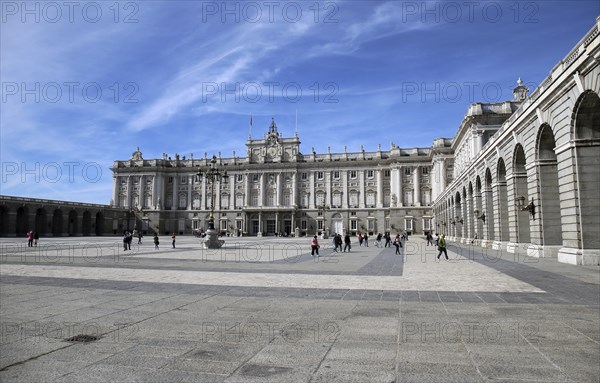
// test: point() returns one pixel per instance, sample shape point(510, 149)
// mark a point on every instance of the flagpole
point(250, 132)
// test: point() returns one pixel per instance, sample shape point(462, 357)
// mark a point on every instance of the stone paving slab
point(161, 318)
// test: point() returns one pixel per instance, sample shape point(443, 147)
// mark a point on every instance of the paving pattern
point(264, 310)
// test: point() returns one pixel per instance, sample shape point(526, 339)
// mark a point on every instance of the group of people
point(440, 242)
point(337, 243)
point(128, 238)
point(32, 238)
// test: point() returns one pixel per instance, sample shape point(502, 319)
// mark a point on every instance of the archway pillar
point(572, 250)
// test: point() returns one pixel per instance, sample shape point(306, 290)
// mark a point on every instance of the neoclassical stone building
point(531, 184)
point(277, 189)
point(521, 176)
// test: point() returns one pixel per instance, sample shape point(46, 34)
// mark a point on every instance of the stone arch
point(549, 201)
point(57, 223)
point(502, 195)
point(470, 218)
point(86, 223)
point(587, 142)
point(523, 234)
point(489, 205)
point(72, 223)
point(22, 221)
point(4, 230)
point(458, 215)
point(99, 227)
point(41, 221)
point(479, 210)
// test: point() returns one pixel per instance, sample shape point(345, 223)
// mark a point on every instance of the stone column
point(417, 186)
point(232, 185)
point(128, 198)
point(261, 192)
point(394, 186)
point(344, 175)
point(248, 190)
point(278, 190)
point(189, 194)
point(312, 196)
point(115, 194)
point(328, 177)
point(379, 178)
point(294, 192)
point(361, 183)
point(175, 204)
point(400, 188)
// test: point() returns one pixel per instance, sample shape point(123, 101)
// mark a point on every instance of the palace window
point(371, 225)
point(183, 180)
point(386, 172)
point(337, 199)
point(408, 224)
point(271, 199)
point(320, 175)
point(182, 201)
point(196, 201)
point(287, 199)
point(408, 198)
point(225, 201)
point(304, 176)
point(352, 173)
point(304, 200)
point(170, 180)
point(320, 224)
point(407, 171)
point(370, 199)
point(353, 199)
point(370, 173)
point(320, 199)
point(336, 175)
point(426, 197)
point(424, 170)
point(255, 177)
point(254, 199)
point(426, 223)
point(239, 200)
point(240, 177)
point(353, 224)
point(303, 224)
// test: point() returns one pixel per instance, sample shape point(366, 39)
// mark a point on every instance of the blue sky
point(84, 84)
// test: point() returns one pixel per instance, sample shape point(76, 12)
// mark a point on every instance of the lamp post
point(322, 209)
point(212, 174)
point(530, 207)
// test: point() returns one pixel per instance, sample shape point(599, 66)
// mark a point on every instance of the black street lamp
point(212, 174)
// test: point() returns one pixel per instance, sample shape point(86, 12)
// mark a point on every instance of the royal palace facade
point(277, 189)
point(521, 176)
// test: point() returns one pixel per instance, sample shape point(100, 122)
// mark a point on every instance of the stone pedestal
point(579, 257)
point(212, 240)
point(297, 233)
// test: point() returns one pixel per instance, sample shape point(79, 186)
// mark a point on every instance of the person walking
point(334, 243)
point(338, 241)
point(366, 239)
point(347, 243)
point(360, 239)
point(378, 240)
point(125, 239)
point(173, 238)
point(442, 248)
point(314, 245)
point(388, 240)
point(36, 238)
point(397, 243)
point(30, 238)
point(140, 236)
point(156, 241)
point(429, 239)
